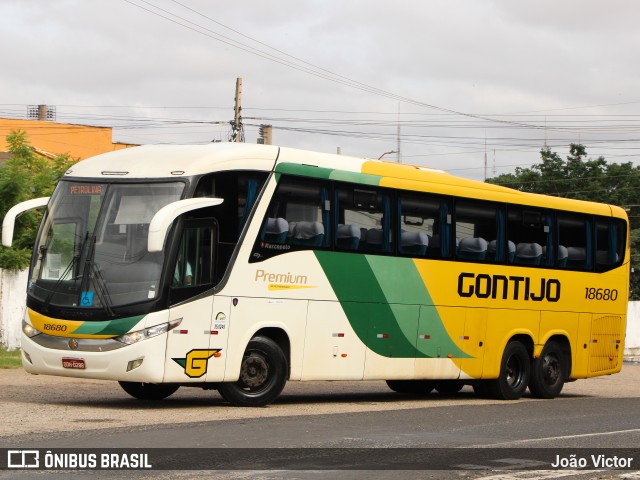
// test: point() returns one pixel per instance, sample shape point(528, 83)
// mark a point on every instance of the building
point(51, 138)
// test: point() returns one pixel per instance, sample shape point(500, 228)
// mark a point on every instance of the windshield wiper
point(91, 274)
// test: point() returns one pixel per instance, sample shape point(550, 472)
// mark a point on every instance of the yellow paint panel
point(59, 328)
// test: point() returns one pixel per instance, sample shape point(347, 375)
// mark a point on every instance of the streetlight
point(386, 153)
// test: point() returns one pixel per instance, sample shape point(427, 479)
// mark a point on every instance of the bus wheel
point(149, 391)
point(422, 387)
point(515, 368)
point(263, 374)
point(449, 387)
point(547, 372)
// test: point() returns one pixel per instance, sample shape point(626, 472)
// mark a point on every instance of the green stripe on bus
point(111, 327)
point(327, 173)
point(384, 300)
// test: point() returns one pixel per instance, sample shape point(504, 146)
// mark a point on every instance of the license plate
point(76, 363)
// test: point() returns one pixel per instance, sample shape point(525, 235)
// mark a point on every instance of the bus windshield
point(92, 249)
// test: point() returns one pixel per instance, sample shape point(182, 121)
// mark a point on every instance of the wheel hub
point(254, 372)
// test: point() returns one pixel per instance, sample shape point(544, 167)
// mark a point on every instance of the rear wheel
point(422, 387)
point(515, 369)
point(263, 375)
point(547, 372)
point(149, 391)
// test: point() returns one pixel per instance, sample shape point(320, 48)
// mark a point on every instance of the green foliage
point(582, 178)
point(10, 359)
point(24, 176)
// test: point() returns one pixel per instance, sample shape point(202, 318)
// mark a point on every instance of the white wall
point(13, 297)
point(13, 294)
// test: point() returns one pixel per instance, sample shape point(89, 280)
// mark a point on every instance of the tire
point(515, 369)
point(449, 387)
point(263, 375)
point(547, 372)
point(149, 391)
point(420, 387)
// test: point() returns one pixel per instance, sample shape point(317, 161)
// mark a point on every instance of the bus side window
point(478, 233)
point(194, 262)
point(298, 218)
point(367, 211)
point(574, 233)
point(530, 237)
point(419, 220)
point(610, 236)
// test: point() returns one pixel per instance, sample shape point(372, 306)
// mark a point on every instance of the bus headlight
point(135, 337)
point(29, 330)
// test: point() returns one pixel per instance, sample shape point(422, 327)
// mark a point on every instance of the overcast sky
point(462, 77)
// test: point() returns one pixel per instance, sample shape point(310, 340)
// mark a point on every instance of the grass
point(10, 359)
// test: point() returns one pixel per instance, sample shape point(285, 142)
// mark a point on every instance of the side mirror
point(9, 222)
point(162, 220)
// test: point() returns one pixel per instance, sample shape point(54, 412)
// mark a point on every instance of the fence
point(13, 298)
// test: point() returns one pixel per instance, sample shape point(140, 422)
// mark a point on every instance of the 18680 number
point(605, 294)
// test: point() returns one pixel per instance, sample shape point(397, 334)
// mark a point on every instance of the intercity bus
point(239, 267)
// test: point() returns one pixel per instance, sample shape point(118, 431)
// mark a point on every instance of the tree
point(23, 176)
point(585, 179)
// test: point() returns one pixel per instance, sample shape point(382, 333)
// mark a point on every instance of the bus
point(240, 267)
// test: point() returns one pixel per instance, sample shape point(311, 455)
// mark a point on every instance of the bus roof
point(171, 161)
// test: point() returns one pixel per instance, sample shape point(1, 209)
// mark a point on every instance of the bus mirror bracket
point(9, 222)
point(162, 220)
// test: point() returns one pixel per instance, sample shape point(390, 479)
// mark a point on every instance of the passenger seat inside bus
point(348, 237)
point(276, 231)
point(492, 254)
point(473, 248)
point(528, 254)
point(576, 257)
point(308, 234)
point(414, 243)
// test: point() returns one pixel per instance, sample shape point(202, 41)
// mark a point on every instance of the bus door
point(196, 347)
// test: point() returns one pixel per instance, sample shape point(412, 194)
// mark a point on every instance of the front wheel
point(149, 391)
point(263, 374)
point(547, 372)
point(515, 369)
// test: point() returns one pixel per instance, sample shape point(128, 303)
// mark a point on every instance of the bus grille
point(605, 346)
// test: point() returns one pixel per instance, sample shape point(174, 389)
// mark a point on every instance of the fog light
point(133, 364)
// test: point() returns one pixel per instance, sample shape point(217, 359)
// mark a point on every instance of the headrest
point(408, 239)
point(277, 225)
point(348, 231)
point(473, 244)
point(307, 230)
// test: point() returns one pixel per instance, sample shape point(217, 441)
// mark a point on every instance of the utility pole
point(266, 132)
point(237, 129)
point(398, 133)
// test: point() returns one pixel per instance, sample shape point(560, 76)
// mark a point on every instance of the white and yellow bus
point(238, 267)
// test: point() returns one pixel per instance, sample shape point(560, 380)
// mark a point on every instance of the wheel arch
point(281, 337)
point(524, 339)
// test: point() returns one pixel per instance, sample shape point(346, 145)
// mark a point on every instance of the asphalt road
point(330, 420)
